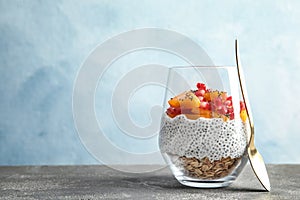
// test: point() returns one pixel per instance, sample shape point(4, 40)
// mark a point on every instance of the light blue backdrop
point(43, 43)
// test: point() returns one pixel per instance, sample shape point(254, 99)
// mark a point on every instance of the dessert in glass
point(204, 130)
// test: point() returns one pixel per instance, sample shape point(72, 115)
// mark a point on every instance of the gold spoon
point(256, 160)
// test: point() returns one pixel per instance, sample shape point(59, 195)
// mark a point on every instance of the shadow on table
point(240, 189)
point(228, 189)
point(172, 184)
point(166, 182)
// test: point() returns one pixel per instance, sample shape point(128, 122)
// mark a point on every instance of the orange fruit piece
point(214, 94)
point(192, 116)
point(185, 100)
point(197, 113)
point(173, 102)
point(205, 113)
point(243, 115)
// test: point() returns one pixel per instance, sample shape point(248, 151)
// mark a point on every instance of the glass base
point(205, 183)
point(186, 179)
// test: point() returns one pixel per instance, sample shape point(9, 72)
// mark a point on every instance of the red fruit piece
point(173, 112)
point(231, 116)
point(197, 93)
point(228, 101)
point(200, 92)
point(201, 86)
point(217, 102)
point(205, 105)
point(229, 109)
point(201, 98)
point(222, 110)
point(242, 105)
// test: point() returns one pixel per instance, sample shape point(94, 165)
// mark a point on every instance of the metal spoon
point(256, 160)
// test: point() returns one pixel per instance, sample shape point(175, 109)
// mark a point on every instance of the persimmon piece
point(174, 103)
point(198, 112)
point(185, 100)
point(192, 116)
point(209, 96)
point(243, 115)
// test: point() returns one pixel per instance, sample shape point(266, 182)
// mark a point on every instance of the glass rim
point(202, 66)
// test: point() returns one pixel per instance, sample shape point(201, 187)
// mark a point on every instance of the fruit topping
point(204, 103)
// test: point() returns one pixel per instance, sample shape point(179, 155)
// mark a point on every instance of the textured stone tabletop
point(102, 182)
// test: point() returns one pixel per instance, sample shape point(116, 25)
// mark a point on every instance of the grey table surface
point(103, 182)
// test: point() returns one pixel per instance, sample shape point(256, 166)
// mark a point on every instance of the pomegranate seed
point(198, 93)
point(242, 105)
point(229, 109)
point(223, 110)
point(231, 116)
point(228, 103)
point(203, 104)
point(202, 92)
point(217, 102)
point(201, 86)
point(208, 107)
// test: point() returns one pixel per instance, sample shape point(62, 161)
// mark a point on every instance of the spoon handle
point(243, 85)
point(255, 158)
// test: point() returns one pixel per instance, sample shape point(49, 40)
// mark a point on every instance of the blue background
point(43, 44)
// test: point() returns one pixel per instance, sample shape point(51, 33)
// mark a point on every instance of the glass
point(204, 129)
